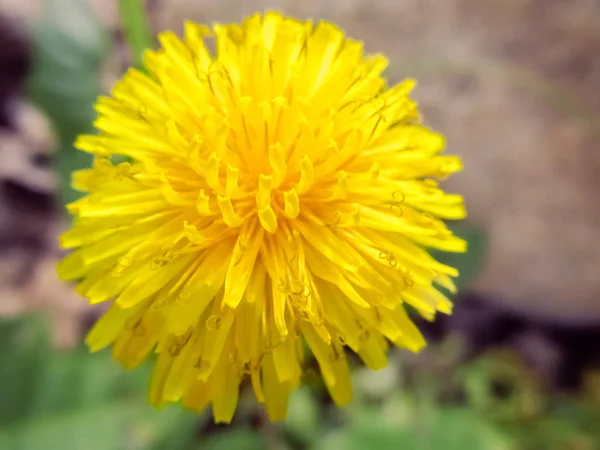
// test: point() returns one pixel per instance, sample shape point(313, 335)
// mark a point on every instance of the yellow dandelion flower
point(279, 195)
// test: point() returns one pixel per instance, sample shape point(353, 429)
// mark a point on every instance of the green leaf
point(381, 438)
point(469, 264)
point(76, 400)
point(96, 428)
point(69, 47)
point(569, 424)
point(23, 354)
point(415, 422)
point(463, 429)
point(369, 429)
point(173, 428)
point(234, 439)
point(501, 387)
point(302, 422)
point(137, 30)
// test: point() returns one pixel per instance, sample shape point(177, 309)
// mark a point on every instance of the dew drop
point(300, 295)
point(158, 304)
point(396, 210)
point(384, 254)
point(341, 339)
point(380, 300)
point(157, 263)
point(245, 370)
point(213, 323)
point(398, 196)
point(142, 111)
point(356, 217)
point(132, 322)
point(125, 261)
point(364, 334)
point(163, 260)
point(182, 299)
point(183, 339)
point(337, 217)
point(405, 272)
point(139, 330)
point(299, 302)
point(377, 316)
point(175, 350)
point(282, 287)
point(202, 365)
point(336, 354)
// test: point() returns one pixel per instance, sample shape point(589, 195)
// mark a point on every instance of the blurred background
point(513, 84)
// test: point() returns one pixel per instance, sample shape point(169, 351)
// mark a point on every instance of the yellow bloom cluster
point(279, 196)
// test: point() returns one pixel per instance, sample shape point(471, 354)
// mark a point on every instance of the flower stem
point(137, 29)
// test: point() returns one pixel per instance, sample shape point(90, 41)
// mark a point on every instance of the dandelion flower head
point(277, 196)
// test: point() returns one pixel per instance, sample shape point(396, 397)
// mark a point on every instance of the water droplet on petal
point(182, 299)
point(364, 334)
point(336, 354)
point(158, 304)
point(125, 261)
point(283, 287)
point(213, 323)
point(396, 209)
point(383, 254)
point(202, 364)
point(299, 301)
point(165, 258)
point(139, 330)
point(398, 196)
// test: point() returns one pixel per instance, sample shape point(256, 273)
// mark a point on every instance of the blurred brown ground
point(513, 84)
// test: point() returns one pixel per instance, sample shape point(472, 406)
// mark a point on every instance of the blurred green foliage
point(69, 48)
point(137, 29)
point(73, 400)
